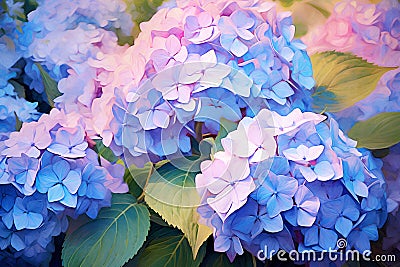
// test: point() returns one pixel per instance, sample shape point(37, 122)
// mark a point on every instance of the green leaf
point(141, 10)
point(215, 259)
point(342, 80)
point(226, 126)
point(320, 9)
point(105, 152)
point(18, 88)
point(380, 131)
point(50, 86)
point(170, 250)
point(136, 178)
point(112, 238)
point(286, 3)
point(171, 192)
point(18, 122)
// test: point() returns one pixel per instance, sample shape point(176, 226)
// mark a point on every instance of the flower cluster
point(282, 180)
point(85, 25)
point(12, 106)
point(48, 171)
point(286, 178)
point(372, 32)
point(197, 63)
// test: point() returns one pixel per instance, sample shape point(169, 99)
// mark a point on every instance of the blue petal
point(283, 89)
point(17, 242)
point(343, 226)
point(273, 225)
point(327, 239)
point(238, 48)
point(34, 220)
point(311, 236)
point(55, 193)
point(69, 199)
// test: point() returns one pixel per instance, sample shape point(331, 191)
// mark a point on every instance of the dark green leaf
point(154, 217)
point(105, 152)
point(380, 131)
point(136, 178)
point(342, 80)
point(112, 238)
point(18, 123)
point(50, 86)
point(18, 88)
point(215, 259)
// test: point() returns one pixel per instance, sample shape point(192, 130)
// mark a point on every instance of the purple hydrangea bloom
point(228, 182)
point(235, 31)
point(23, 170)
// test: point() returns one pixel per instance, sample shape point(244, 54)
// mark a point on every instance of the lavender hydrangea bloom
point(29, 140)
point(69, 143)
point(200, 29)
point(228, 182)
point(235, 31)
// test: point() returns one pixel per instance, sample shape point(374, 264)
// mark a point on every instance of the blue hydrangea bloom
point(29, 212)
point(341, 213)
point(59, 182)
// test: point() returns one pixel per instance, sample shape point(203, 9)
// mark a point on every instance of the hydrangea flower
point(228, 182)
point(201, 29)
point(23, 170)
point(177, 69)
point(305, 209)
point(235, 30)
point(276, 193)
point(59, 182)
point(69, 143)
point(318, 211)
point(369, 31)
point(29, 141)
point(341, 212)
point(29, 213)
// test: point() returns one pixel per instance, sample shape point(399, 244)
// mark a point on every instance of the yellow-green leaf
point(171, 192)
point(168, 250)
point(380, 131)
point(342, 80)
